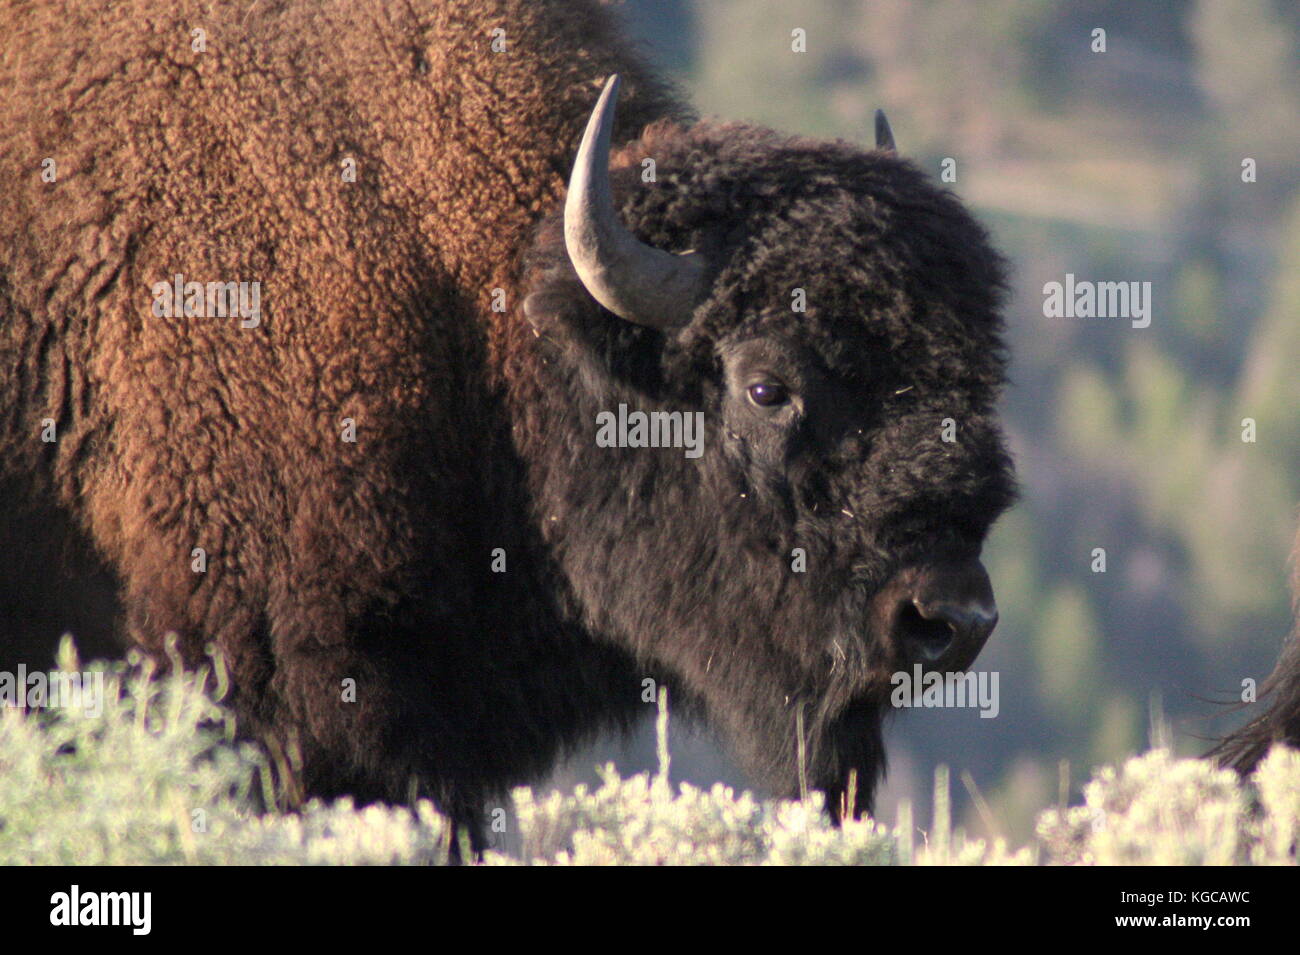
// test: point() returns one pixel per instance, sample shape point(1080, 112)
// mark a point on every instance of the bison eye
point(768, 394)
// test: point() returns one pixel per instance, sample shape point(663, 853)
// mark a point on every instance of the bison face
point(831, 319)
point(814, 446)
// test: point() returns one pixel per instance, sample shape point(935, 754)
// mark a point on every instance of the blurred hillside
point(1122, 165)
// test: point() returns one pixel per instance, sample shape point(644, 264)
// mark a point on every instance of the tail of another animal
point(1280, 697)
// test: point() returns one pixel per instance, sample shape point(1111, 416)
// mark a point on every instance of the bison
point(311, 315)
point(1244, 748)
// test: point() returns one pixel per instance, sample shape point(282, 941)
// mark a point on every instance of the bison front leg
point(342, 706)
point(368, 721)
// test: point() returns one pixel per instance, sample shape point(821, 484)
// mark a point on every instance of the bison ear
point(884, 135)
point(636, 282)
point(538, 309)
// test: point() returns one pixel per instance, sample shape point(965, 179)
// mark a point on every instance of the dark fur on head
point(688, 562)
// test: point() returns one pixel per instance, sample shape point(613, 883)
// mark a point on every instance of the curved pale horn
point(884, 135)
point(637, 283)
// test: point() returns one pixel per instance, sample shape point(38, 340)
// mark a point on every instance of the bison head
point(832, 319)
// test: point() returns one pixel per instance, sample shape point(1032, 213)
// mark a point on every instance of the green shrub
point(157, 778)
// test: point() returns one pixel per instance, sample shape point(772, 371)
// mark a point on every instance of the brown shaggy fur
point(193, 432)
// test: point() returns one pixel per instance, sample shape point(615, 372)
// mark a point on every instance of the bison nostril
point(924, 639)
point(933, 632)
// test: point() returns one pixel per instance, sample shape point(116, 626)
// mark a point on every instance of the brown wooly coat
point(176, 433)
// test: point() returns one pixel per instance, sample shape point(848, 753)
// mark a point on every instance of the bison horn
point(884, 135)
point(637, 283)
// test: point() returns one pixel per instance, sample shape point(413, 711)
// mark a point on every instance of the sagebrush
point(157, 777)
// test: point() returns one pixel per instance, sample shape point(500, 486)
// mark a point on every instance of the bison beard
point(370, 560)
